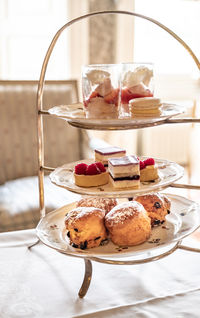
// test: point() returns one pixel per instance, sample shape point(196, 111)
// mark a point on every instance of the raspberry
point(81, 168)
point(92, 170)
point(100, 166)
point(149, 162)
point(142, 165)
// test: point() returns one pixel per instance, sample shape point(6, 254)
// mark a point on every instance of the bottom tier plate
point(182, 221)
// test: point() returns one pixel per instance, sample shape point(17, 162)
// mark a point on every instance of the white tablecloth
point(44, 283)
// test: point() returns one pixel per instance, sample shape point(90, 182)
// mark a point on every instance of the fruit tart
point(148, 170)
point(91, 175)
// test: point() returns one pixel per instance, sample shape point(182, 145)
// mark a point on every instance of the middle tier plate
point(168, 171)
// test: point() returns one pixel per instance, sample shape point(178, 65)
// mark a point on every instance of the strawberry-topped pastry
point(148, 170)
point(135, 84)
point(101, 93)
point(90, 175)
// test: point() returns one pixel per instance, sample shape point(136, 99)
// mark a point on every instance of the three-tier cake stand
point(50, 230)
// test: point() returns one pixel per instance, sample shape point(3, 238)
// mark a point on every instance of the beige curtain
point(104, 33)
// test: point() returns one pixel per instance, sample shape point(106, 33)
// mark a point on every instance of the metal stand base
point(33, 244)
point(87, 278)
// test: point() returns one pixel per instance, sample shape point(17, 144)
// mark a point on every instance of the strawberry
point(149, 162)
point(92, 95)
point(142, 165)
point(92, 169)
point(101, 166)
point(81, 168)
point(112, 97)
point(126, 95)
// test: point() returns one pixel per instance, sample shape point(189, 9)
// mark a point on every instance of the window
point(27, 28)
point(155, 45)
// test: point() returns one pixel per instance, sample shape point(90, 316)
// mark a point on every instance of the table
point(40, 282)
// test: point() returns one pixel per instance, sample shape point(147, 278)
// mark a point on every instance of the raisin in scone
point(85, 227)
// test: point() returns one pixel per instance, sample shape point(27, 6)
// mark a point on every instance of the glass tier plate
point(183, 219)
point(168, 171)
point(75, 115)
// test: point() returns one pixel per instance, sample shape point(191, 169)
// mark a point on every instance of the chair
point(19, 203)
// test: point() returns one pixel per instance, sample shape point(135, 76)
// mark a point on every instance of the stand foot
point(33, 244)
point(87, 278)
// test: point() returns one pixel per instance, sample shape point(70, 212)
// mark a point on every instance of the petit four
point(124, 172)
point(145, 107)
point(91, 175)
point(128, 224)
point(148, 170)
point(103, 154)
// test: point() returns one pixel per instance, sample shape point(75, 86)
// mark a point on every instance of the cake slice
point(124, 172)
point(103, 154)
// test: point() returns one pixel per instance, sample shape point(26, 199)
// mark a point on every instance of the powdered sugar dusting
point(123, 211)
point(82, 212)
point(105, 204)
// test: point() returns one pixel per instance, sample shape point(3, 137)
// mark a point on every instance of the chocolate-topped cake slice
point(124, 172)
point(103, 154)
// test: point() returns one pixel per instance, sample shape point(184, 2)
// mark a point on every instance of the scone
point(128, 224)
point(157, 206)
point(85, 227)
point(105, 204)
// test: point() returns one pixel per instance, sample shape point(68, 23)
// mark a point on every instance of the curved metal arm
point(50, 49)
point(42, 78)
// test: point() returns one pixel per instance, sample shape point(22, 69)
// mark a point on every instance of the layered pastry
point(128, 224)
point(148, 170)
point(85, 227)
point(91, 175)
point(103, 154)
point(145, 107)
point(135, 85)
point(124, 172)
point(105, 204)
point(102, 102)
point(157, 206)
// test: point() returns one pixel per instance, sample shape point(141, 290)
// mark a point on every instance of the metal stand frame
point(42, 167)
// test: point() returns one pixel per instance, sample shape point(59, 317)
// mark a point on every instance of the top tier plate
point(75, 115)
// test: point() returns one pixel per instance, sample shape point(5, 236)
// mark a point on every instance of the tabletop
point(41, 282)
